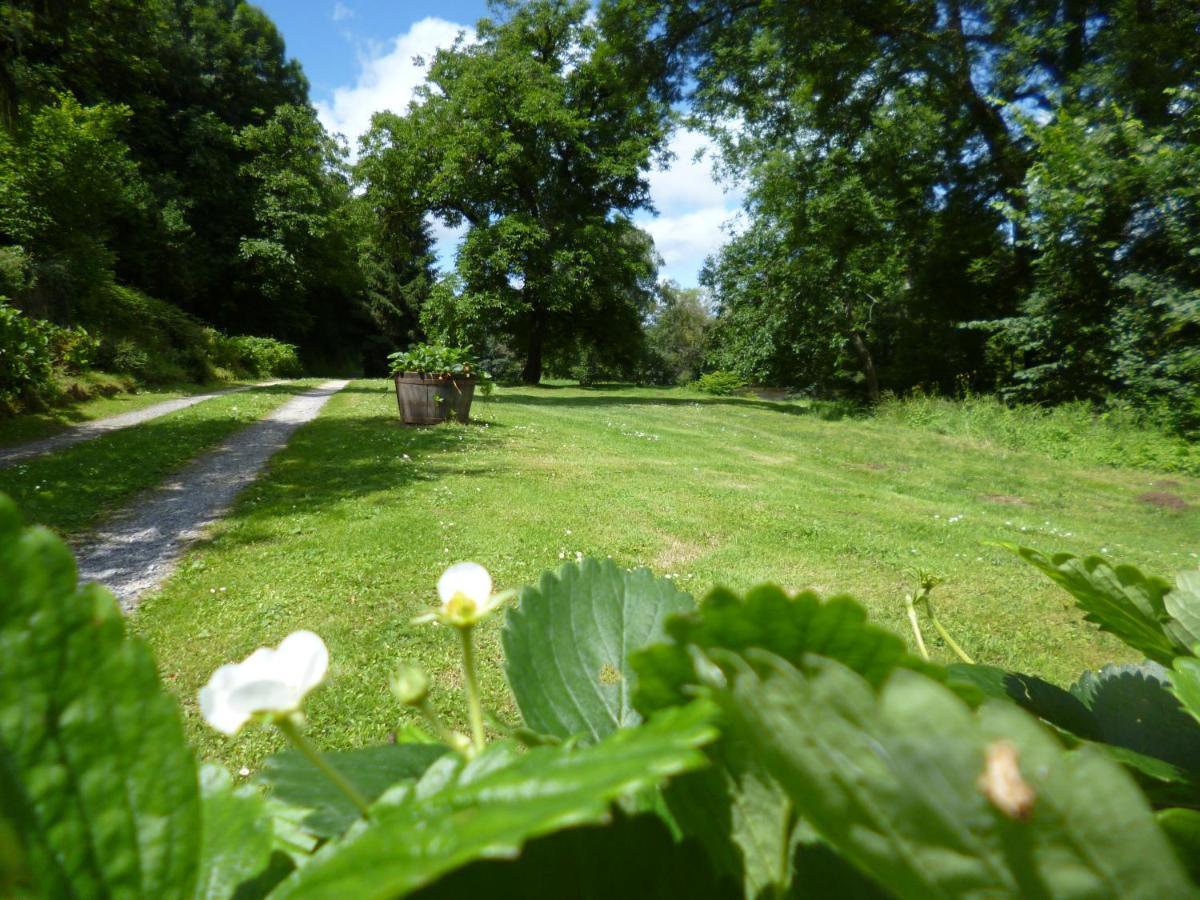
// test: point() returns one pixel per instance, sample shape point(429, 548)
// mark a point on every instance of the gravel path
point(136, 550)
point(77, 434)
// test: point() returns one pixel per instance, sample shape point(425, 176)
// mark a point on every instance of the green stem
point(435, 721)
point(474, 705)
point(289, 728)
point(953, 644)
point(916, 625)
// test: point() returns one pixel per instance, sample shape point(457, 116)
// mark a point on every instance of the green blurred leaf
point(491, 806)
point(1182, 826)
point(735, 809)
point(237, 834)
point(1185, 683)
point(1183, 605)
point(110, 802)
point(895, 782)
point(567, 645)
point(1118, 599)
point(631, 857)
point(295, 781)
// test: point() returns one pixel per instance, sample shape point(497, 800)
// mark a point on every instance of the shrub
point(26, 357)
point(720, 383)
point(264, 356)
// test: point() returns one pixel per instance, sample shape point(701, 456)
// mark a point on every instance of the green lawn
point(348, 532)
point(71, 489)
point(33, 426)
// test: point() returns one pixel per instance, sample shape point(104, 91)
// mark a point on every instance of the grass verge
point(1075, 432)
point(71, 489)
point(350, 528)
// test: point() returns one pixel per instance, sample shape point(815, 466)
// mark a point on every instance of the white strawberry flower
point(465, 592)
point(269, 682)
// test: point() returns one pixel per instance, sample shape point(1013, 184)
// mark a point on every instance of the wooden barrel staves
point(431, 399)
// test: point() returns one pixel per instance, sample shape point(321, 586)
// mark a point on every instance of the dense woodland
point(995, 195)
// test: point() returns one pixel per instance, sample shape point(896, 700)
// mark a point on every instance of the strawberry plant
point(759, 745)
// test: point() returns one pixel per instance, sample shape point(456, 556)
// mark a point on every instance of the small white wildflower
point(465, 591)
point(268, 681)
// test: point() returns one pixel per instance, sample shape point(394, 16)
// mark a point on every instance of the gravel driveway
point(77, 434)
point(136, 550)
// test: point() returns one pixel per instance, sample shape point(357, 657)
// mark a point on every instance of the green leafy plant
point(440, 361)
point(719, 383)
point(760, 745)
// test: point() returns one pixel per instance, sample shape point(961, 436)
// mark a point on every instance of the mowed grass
point(71, 489)
point(350, 529)
point(33, 426)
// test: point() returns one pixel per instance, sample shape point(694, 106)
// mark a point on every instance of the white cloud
point(689, 183)
point(685, 239)
point(341, 12)
point(695, 210)
point(387, 78)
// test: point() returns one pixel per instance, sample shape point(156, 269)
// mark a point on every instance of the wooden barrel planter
point(432, 399)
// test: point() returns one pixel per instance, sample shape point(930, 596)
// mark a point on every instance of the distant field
point(355, 520)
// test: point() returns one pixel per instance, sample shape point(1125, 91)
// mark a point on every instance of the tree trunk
point(532, 373)
point(868, 365)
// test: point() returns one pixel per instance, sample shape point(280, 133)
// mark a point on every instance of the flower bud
point(410, 685)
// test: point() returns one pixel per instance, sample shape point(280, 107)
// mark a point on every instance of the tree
point(65, 178)
point(792, 87)
point(536, 139)
point(679, 330)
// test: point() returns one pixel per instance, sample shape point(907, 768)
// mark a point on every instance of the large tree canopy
point(536, 139)
point(943, 114)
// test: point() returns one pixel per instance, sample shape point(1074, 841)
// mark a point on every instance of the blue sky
point(358, 58)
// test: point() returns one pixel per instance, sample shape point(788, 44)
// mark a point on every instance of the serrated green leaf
point(1145, 751)
point(1183, 605)
point(735, 809)
point(1185, 684)
point(295, 781)
point(630, 858)
point(89, 734)
point(237, 834)
point(790, 627)
point(1118, 599)
point(490, 807)
point(894, 782)
point(1132, 707)
point(567, 645)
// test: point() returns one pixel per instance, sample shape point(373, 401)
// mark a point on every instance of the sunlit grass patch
point(353, 523)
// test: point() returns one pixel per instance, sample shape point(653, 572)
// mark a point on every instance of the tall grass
point(1072, 431)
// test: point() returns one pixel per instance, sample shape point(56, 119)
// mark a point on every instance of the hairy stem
point(471, 683)
point(950, 642)
point(292, 731)
point(916, 625)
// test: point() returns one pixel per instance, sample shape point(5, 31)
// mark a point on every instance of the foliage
point(32, 352)
point(1113, 211)
point(551, 262)
point(791, 717)
point(719, 383)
